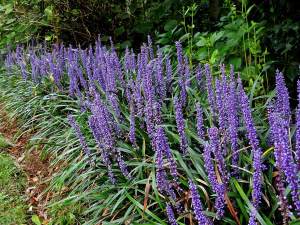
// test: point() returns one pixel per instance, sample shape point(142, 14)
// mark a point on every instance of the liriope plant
point(162, 142)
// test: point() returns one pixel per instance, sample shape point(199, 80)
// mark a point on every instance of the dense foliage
point(144, 139)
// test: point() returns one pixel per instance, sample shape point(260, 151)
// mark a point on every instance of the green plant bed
point(12, 184)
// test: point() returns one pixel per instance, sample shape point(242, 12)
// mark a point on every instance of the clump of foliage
point(143, 139)
point(256, 37)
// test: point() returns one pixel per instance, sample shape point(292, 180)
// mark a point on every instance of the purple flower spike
point(122, 165)
point(284, 206)
point(132, 125)
point(104, 155)
point(171, 216)
point(197, 205)
point(252, 220)
point(150, 47)
point(161, 86)
point(79, 134)
point(150, 101)
point(220, 105)
point(200, 126)
point(283, 155)
point(161, 176)
point(282, 100)
point(180, 65)
point(162, 182)
point(219, 189)
point(127, 60)
point(253, 139)
point(215, 146)
point(233, 121)
point(138, 99)
point(298, 128)
point(162, 146)
point(210, 89)
point(224, 84)
point(180, 125)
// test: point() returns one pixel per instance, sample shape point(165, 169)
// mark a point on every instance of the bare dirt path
point(36, 170)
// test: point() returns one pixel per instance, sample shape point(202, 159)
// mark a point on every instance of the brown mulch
point(37, 170)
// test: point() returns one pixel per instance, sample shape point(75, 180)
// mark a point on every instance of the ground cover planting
point(150, 138)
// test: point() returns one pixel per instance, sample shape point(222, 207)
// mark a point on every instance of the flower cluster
point(279, 118)
point(79, 135)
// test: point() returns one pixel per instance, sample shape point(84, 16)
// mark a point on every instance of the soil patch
point(37, 170)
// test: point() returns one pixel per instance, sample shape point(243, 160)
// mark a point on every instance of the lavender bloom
point(34, 62)
point(298, 128)
point(20, 59)
point(161, 86)
point(79, 73)
point(180, 125)
point(197, 205)
point(171, 216)
point(224, 84)
point(144, 61)
point(122, 165)
point(101, 114)
point(200, 126)
point(117, 68)
point(252, 220)
point(283, 155)
point(132, 125)
point(280, 135)
point(115, 104)
point(163, 147)
point(149, 97)
point(111, 86)
point(104, 155)
point(282, 100)
point(161, 175)
point(132, 61)
point(43, 67)
point(233, 121)
point(127, 60)
point(150, 47)
point(157, 119)
point(71, 70)
point(219, 189)
point(215, 146)
point(284, 206)
point(9, 60)
point(220, 105)
point(138, 99)
point(210, 90)
point(180, 65)
point(253, 139)
point(181, 73)
point(79, 134)
point(105, 132)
